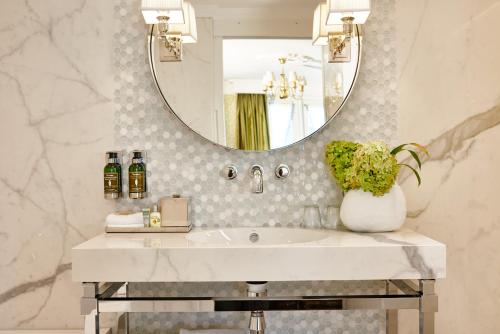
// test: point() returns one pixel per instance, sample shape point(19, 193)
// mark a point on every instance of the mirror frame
point(151, 52)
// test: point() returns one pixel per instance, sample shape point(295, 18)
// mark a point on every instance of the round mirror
point(254, 80)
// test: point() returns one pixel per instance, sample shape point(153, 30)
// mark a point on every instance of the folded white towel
point(214, 331)
point(125, 226)
point(125, 219)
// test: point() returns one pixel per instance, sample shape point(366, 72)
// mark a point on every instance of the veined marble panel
point(56, 87)
point(450, 101)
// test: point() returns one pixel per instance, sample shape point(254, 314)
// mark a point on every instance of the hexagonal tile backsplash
point(180, 161)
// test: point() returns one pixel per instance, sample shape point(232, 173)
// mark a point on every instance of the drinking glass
point(311, 218)
point(332, 217)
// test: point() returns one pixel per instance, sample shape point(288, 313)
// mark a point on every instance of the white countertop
point(341, 255)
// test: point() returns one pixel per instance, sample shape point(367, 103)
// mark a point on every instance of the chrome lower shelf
point(400, 294)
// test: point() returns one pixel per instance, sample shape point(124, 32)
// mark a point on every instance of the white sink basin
point(247, 236)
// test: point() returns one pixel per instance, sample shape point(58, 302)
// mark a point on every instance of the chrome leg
point(92, 323)
point(391, 316)
point(428, 307)
point(426, 323)
point(123, 321)
point(88, 307)
point(123, 324)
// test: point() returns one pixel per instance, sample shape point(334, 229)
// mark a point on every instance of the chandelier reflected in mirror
point(291, 86)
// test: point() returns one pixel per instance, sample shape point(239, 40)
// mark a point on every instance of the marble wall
point(56, 121)
point(449, 99)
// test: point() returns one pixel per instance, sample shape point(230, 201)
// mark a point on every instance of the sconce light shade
point(188, 28)
point(152, 9)
point(337, 9)
point(320, 28)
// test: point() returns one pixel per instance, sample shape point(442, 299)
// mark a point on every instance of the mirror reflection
point(253, 86)
point(279, 91)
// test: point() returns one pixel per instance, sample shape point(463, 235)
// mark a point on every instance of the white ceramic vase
point(362, 212)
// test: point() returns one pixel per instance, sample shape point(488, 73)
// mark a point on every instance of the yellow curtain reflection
point(253, 133)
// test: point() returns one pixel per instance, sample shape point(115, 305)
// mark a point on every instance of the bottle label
point(136, 182)
point(155, 221)
point(111, 183)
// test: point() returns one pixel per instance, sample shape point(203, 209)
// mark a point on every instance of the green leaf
point(414, 155)
point(421, 148)
point(401, 147)
point(415, 172)
point(417, 159)
point(398, 149)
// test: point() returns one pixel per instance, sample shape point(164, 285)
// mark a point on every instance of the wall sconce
point(339, 45)
point(347, 13)
point(156, 10)
point(187, 30)
point(175, 25)
point(333, 26)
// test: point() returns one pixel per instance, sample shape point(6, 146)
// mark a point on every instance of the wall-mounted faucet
point(256, 173)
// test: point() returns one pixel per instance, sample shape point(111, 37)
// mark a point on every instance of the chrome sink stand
point(399, 295)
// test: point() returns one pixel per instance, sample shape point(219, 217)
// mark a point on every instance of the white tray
point(163, 229)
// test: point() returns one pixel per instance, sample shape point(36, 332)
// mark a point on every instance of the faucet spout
point(256, 172)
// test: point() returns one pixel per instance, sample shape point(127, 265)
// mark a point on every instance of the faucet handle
point(230, 172)
point(282, 171)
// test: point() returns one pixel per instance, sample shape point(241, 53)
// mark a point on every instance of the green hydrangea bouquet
point(371, 166)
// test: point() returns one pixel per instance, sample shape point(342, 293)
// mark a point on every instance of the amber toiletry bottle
point(112, 176)
point(137, 176)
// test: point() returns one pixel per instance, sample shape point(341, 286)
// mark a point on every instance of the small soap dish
point(163, 229)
